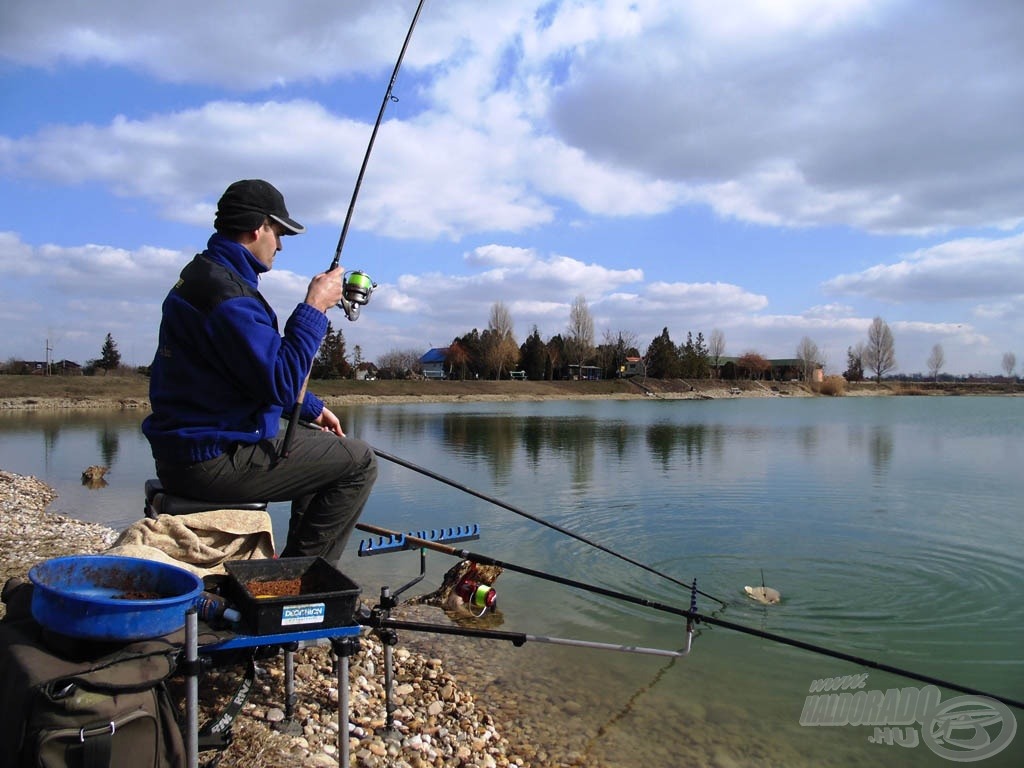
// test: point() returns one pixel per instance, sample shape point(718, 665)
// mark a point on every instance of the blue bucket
point(110, 598)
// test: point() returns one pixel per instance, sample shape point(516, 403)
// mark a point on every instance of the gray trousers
point(326, 478)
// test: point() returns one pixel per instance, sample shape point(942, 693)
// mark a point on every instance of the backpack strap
point(216, 734)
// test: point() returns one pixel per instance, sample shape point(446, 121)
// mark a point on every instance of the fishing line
point(688, 614)
point(373, 137)
point(627, 708)
point(364, 284)
point(553, 526)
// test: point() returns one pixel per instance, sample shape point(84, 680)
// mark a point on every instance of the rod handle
point(286, 447)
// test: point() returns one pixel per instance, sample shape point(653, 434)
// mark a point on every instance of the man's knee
point(364, 460)
point(371, 468)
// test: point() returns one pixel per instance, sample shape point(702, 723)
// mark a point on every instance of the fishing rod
point(356, 285)
point(553, 526)
point(518, 639)
point(690, 614)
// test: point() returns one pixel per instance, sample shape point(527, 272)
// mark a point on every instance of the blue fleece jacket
point(223, 373)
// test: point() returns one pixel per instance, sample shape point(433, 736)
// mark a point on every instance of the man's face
point(267, 243)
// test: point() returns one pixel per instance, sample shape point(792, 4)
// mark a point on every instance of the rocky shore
point(437, 722)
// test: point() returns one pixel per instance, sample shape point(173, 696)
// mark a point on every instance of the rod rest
point(398, 542)
point(159, 502)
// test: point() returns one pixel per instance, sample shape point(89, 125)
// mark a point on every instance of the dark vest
point(204, 284)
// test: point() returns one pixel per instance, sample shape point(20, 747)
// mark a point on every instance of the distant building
point(433, 363)
point(633, 367)
point(56, 368)
point(584, 372)
point(781, 369)
point(65, 368)
point(366, 372)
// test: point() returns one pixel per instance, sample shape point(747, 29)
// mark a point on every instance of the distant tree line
point(494, 353)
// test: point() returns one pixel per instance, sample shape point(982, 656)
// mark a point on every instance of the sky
point(771, 169)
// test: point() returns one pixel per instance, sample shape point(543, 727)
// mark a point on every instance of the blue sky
point(773, 169)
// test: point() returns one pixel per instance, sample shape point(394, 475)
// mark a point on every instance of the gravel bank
point(437, 722)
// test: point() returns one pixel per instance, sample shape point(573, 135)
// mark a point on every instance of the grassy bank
point(134, 389)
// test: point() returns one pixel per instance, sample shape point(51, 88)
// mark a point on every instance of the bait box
point(326, 597)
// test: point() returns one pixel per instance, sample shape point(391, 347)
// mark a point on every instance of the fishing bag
point(85, 707)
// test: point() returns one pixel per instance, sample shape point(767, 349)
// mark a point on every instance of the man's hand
point(328, 422)
point(324, 290)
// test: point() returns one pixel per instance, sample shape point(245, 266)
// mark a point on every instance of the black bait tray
point(294, 594)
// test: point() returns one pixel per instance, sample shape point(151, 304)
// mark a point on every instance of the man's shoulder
point(206, 283)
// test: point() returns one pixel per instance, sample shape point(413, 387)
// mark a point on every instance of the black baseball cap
point(246, 203)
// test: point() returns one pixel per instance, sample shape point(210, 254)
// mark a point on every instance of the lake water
point(892, 527)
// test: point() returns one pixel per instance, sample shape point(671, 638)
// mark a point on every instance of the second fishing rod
point(690, 613)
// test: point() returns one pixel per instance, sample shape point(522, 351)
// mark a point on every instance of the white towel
point(200, 542)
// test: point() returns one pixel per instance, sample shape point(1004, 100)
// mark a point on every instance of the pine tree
point(662, 357)
point(330, 362)
point(533, 356)
point(110, 358)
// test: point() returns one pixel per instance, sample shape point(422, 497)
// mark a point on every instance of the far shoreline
point(131, 391)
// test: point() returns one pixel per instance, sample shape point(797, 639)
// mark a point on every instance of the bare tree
point(502, 351)
point(880, 352)
point(626, 344)
point(809, 355)
point(580, 341)
point(936, 360)
point(500, 321)
point(399, 363)
point(1009, 363)
point(716, 349)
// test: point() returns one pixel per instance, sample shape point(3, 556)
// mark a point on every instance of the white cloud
point(875, 116)
point(704, 297)
point(864, 113)
point(499, 255)
point(969, 268)
point(240, 46)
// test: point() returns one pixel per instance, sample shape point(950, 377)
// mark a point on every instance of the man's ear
point(250, 236)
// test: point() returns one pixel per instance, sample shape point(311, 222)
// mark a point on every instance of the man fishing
point(223, 374)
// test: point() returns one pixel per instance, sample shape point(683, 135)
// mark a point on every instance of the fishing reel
point(475, 593)
point(356, 289)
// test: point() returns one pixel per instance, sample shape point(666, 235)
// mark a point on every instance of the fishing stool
point(159, 502)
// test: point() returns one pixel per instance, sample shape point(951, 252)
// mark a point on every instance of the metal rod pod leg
point(343, 648)
point(192, 687)
point(389, 687)
point(343, 705)
point(289, 682)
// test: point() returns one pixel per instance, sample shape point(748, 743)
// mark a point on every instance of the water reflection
point(880, 447)
point(109, 442)
point(809, 440)
point(664, 441)
point(494, 446)
point(877, 440)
